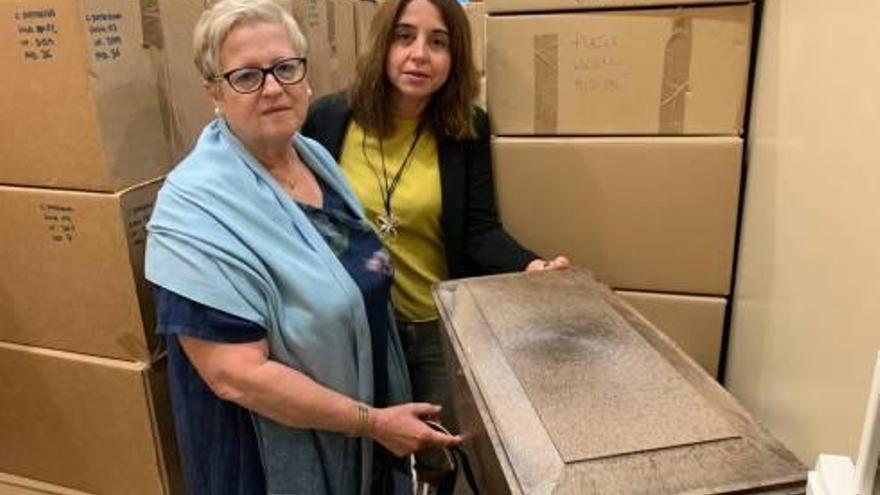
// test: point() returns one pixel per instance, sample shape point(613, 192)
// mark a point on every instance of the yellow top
point(417, 248)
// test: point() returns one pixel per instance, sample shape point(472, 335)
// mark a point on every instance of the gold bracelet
point(362, 418)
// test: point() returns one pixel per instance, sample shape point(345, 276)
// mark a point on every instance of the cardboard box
point(86, 423)
point(510, 6)
point(71, 270)
point(168, 30)
point(476, 14)
point(364, 11)
point(632, 72)
point(649, 214)
point(695, 323)
point(80, 96)
point(328, 26)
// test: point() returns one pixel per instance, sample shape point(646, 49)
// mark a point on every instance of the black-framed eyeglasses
point(251, 79)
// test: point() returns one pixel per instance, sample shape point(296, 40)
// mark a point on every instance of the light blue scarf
point(225, 234)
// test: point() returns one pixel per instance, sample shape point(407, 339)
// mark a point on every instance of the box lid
point(579, 392)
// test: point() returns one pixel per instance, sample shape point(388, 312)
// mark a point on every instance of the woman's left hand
point(402, 428)
point(556, 263)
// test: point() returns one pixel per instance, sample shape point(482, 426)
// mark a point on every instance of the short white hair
point(223, 16)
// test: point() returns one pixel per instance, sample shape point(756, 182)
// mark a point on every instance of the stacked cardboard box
point(85, 402)
point(620, 72)
point(87, 423)
point(81, 97)
point(617, 143)
point(73, 270)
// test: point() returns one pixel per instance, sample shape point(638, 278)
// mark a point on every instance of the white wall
point(806, 321)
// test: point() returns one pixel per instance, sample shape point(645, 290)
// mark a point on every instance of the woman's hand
point(556, 263)
point(402, 429)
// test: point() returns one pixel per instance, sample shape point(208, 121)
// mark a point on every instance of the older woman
point(416, 151)
point(272, 289)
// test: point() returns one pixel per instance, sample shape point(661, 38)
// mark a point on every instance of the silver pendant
point(388, 223)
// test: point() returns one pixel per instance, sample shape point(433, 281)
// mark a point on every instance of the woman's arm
point(244, 374)
point(487, 244)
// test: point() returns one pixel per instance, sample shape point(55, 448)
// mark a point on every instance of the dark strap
point(461, 462)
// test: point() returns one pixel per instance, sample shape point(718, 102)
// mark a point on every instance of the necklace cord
point(386, 190)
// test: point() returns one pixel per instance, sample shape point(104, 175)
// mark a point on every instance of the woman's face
point(418, 59)
point(270, 116)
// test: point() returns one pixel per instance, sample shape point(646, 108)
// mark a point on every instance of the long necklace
point(388, 222)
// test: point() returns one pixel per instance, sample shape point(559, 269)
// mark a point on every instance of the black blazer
point(474, 239)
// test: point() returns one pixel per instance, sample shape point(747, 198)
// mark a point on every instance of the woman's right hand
point(557, 263)
point(402, 429)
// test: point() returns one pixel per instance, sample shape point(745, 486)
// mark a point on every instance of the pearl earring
point(218, 113)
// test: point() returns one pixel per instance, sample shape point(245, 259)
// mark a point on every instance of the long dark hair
point(450, 112)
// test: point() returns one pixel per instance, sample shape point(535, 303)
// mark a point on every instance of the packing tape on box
point(674, 84)
point(333, 43)
point(676, 75)
point(151, 24)
point(331, 26)
point(546, 54)
point(154, 41)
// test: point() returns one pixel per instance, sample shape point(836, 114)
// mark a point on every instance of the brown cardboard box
point(168, 28)
point(328, 26)
point(509, 6)
point(476, 14)
point(364, 11)
point(632, 72)
point(79, 96)
point(652, 214)
point(90, 424)
point(695, 323)
point(71, 270)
